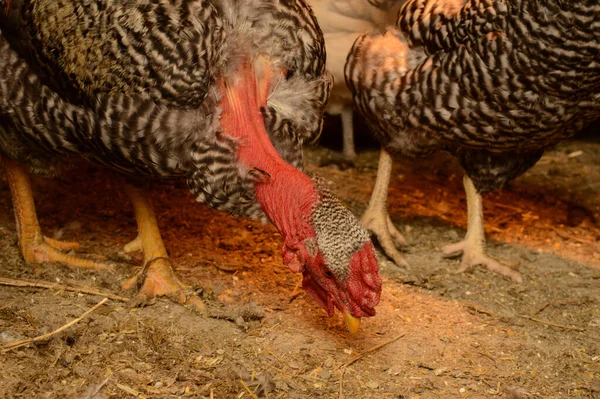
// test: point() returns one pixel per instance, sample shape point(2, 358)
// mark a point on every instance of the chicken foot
point(473, 247)
point(34, 246)
point(157, 277)
point(376, 218)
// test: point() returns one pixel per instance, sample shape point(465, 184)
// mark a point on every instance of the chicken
point(494, 83)
point(342, 21)
point(222, 93)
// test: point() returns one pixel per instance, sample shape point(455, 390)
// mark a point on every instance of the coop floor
point(472, 335)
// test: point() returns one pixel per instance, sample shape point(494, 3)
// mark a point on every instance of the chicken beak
point(352, 323)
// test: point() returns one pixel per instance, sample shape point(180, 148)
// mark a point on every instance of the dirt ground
point(469, 335)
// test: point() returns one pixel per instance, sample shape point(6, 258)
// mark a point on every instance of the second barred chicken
point(493, 82)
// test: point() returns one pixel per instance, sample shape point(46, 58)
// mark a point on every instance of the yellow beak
point(353, 323)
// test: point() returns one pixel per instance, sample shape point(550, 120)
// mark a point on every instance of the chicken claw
point(379, 222)
point(474, 254)
point(473, 246)
point(157, 277)
point(51, 250)
point(376, 218)
point(34, 246)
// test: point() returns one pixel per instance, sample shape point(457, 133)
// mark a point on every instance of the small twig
point(14, 282)
point(248, 390)
point(212, 393)
point(23, 342)
point(496, 229)
point(293, 298)
point(296, 287)
point(570, 237)
point(131, 391)
point(487, 356)
point(549, 323)
point(509, 207)
point(539, 309)
point(572, 301)
point(373, 349)
point(295, 292)
point(342, 383)
point(480, 310)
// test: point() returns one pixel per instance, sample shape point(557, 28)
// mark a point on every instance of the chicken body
point(222, 93)
point(494, 83)
point(342, 21)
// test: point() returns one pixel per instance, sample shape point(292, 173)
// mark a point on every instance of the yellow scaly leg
point(34, 247)
point(157, 278)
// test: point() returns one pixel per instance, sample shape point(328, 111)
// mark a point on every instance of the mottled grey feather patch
point(288, 128)
point(339, 233)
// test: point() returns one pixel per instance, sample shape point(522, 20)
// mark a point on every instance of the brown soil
point(474, 334)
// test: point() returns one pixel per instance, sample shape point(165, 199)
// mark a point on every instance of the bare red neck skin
point(286, 195)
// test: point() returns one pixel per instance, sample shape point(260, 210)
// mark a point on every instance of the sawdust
point(465, 335)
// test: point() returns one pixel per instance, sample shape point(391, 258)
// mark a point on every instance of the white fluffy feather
point(342, 21)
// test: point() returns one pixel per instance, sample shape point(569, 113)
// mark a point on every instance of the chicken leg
point(348, 133)
point(34, 246)
point(157, 277)
point(473, 245)
point(376, 218)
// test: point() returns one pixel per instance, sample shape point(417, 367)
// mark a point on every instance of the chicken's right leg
point(376, 217)
point(157, 277)
point(34, 247)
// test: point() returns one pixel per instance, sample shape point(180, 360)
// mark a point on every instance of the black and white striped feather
point(494, 82)
point(132, 85)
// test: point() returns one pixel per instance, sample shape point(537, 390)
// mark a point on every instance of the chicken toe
point(474, 254)
point(34, 246)
point(50, 250)
point(134, 245)
point(157, 278)
point(473, 245)
point(379, 222)
point(376, 218)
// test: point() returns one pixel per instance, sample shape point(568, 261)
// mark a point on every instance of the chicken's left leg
point(348, 133)
point(473, 245)
point(34, 246)
point(376, 217)
point(157, 278)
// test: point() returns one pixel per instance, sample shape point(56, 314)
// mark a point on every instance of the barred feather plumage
point(130, 85)
point(505, 76)
point(167, 88)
